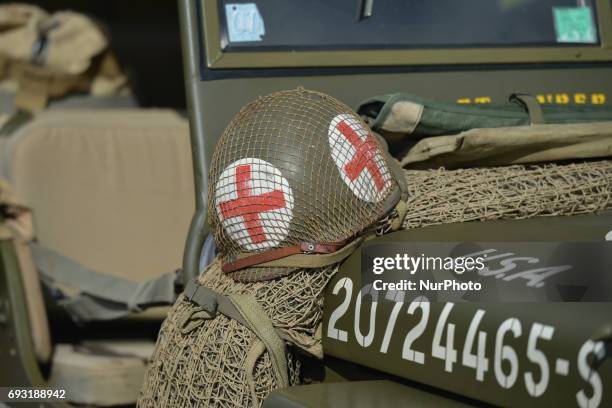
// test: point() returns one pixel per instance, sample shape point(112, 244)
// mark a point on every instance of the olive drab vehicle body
point(554, 56)
point(223, 75)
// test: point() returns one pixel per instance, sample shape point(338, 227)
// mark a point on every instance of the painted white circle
point(254, 203)
point(609, 236)
point(358, 158)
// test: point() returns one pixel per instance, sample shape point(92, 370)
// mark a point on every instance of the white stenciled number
point(505, 352)
point(397, 297)
point(448, 353)
point(478, 360)
point(589, 374)
point(538, 331)
point(366, 340)
point(408, 353)
point(332, 332)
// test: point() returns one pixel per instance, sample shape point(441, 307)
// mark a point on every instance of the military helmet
point(296, 178)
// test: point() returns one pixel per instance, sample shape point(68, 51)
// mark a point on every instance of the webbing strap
point(394, 167)
point(260, 324)
point(246, 310)
point(16, 120)
point(401, 209)
point(256, 350)
point(531, 105)
point(101, 296)
point(212, 301)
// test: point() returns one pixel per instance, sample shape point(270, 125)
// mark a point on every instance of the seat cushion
point(102, 373)
point(111, 189)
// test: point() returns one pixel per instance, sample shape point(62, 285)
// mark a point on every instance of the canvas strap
point(245, 309)
point(100, 296)
point(531, 105)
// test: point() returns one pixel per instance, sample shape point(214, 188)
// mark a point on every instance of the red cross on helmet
point(295, 174)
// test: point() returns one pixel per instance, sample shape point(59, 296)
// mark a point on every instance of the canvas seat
point(112, 190)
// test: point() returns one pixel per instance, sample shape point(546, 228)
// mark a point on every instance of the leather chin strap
point(268, 257)
point(307, 254)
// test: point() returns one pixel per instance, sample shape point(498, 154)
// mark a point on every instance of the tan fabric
point(403, 117)
point(8, 196)
point(19, 29)
point(112, 190)
point(37, 85)
point(109, 79)
point(512, 145)
point(5, 232)
point(97, 374)
point(73, 39)
point(74, 58)
point(18, 14)
point(4, 117)
point(39, 325)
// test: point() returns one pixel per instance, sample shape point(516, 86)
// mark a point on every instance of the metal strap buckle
point(309, 248)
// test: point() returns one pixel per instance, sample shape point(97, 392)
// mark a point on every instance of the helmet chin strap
point(309, 254)
point(271, 257)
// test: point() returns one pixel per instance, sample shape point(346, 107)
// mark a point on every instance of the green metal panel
point(566, 353)
point(358, 394)
point(195, 105)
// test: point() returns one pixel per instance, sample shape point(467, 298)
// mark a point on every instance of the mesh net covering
point(204, 366)
point(509, 192)
point(274, 183)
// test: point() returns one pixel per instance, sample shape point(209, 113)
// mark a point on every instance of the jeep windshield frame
point(221, 54)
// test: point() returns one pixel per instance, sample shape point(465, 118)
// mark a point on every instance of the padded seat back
point(111, 189)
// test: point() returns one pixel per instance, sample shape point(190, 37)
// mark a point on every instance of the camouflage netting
point(201, 362)
point(509, 192)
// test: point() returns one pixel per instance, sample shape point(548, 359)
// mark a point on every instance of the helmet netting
point(295, 166)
